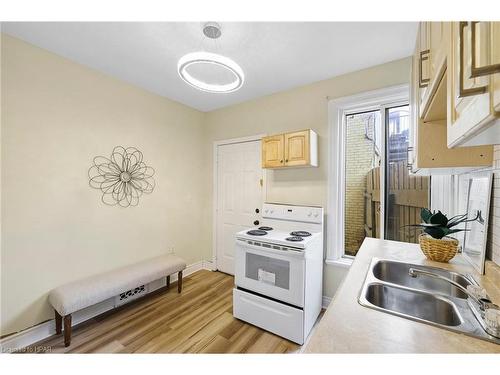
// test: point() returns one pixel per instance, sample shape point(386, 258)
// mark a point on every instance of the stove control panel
point(293, 213)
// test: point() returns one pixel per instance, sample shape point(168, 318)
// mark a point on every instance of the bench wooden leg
point(168, 282)
point(58, 322)
point(67, 330)
point(179, 282)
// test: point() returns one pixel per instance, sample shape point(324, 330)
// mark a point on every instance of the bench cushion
point(79, 294)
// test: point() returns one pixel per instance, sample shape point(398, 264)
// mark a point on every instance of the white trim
point(344, 262)
point(46, 329)
point(215, 158)
point(209, 265)
point(326, 300)
point(337, 108)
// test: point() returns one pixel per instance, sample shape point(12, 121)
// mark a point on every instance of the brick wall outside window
point(359, 159)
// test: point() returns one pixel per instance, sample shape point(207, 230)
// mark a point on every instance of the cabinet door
point(297, 148)
point(414, 112)
point(432, 65)
point(424, 67)
point(469, 98)
point(272, 151)
point(495, 78)
point(438, 47)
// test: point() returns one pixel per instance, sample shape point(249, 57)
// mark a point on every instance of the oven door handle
point(289, 253)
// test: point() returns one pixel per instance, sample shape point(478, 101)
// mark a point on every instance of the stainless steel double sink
point(389, 288)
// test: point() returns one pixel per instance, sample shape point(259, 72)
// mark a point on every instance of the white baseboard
point(46, 329)
point(209, 265)
point(326, 301)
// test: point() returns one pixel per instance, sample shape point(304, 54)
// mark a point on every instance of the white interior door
point(239, 195)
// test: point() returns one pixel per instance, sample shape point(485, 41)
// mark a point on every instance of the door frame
point(215, 181)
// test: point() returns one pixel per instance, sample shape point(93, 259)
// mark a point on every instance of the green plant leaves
point(436, 232)
point(438, 218)
point(425, 215)
point(437, 225)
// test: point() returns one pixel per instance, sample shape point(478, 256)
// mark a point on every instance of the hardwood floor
point(199, 320)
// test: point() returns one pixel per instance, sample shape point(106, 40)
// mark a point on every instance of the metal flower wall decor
point(122, 178)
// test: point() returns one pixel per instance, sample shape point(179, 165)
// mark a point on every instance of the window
point(368, 175)
point(406, 194)
point(362, 155)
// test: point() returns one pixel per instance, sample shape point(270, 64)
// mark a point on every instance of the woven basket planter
point(438, 250)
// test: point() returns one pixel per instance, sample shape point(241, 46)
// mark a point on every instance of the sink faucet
point(483, 303)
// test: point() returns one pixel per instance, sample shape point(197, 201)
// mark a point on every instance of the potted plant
point(435, 242)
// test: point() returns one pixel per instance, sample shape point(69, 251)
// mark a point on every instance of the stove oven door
point(272, 272)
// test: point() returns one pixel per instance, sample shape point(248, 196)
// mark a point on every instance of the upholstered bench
point(68, 298)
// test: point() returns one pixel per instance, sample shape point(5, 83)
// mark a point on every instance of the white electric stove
point(279, 271)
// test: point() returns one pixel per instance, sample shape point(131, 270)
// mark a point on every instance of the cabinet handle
point(286, 161)
point(424, 55)
point(462, 92)
point(281, 161)
point(482, 70)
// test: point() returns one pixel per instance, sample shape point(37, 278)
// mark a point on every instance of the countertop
point(348, 327)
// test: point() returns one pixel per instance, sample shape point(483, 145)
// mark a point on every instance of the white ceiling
point(274, 56)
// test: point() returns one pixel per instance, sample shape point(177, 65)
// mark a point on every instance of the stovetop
point(280, 237)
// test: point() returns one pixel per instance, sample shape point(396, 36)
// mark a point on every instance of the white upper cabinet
point(432, 47)
point(495, 78)
point(474, 88)
point(431, 80)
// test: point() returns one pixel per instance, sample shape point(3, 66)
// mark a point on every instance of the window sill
point(340, 262)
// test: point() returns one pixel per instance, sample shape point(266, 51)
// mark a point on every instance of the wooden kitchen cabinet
point(423, 70)
point(295, 149)
point(428, 152)
point(474, 87)
point(297, 146)
point(273, 151)
point(432, 48)
point(495, 78)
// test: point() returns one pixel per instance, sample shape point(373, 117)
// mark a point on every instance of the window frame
point(338, 109)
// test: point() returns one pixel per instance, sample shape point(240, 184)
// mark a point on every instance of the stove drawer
point(275, 317)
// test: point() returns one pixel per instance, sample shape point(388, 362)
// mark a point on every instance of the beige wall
point(304, 107)
point(56, 116)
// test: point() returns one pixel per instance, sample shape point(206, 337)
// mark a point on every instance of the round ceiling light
point(211, 59)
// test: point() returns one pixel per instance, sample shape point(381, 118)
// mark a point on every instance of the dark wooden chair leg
point(168, 282)
point(179, 282)
point(67, 330)
point(58, 322)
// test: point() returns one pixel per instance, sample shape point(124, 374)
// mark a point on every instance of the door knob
point(256, 222)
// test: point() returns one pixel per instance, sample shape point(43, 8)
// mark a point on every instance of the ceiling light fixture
point(212, 31)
